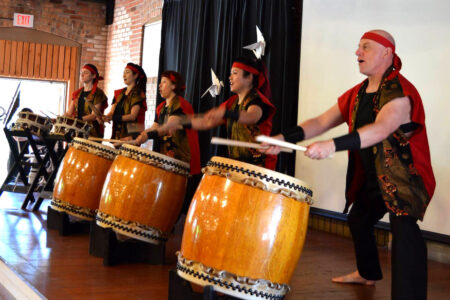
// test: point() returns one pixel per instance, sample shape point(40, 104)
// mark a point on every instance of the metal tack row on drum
point(244, 231)
point(38, 125)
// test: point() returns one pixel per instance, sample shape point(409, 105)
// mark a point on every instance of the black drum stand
point(103, 242)
point(60, 221)
point(180, 288)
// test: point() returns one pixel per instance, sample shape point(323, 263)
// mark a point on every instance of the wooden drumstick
point(94, 109)
point(268, 140)
point(227, 142)
point(132, 142)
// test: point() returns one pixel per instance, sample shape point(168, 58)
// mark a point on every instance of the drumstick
point(133, 142)
point(227, 142)
point(94, 109)
point(276, 142)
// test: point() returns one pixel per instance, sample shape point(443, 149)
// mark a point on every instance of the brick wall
point(81, 21)
point(125, 44)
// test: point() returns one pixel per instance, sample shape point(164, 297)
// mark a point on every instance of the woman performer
point(129, 104)
point(247, 114)
point(90, 93)
point(182, 144)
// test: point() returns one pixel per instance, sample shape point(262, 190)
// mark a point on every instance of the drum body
point(245, 230)
point(80, 178)
point(35, 123)
point(65, 125)
point(143, 194)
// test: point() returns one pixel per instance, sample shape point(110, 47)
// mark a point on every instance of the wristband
point(349, 141)
point(232, 114)
point(187, 125)
point(152, 134)
point(294, 134)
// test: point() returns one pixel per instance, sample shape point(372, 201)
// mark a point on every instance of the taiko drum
point(80, 178)
point(245, 230)
point(143, 194)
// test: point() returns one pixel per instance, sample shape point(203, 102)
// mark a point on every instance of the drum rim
point(98, 146)
point(159, 155)
point(262, 173)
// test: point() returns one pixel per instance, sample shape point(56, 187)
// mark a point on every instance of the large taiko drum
point(245, 230)
point(80, 178)
point(143, 194)
point(37, 124)
point(76, 127)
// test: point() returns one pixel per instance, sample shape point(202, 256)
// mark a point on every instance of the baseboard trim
point(427, 235)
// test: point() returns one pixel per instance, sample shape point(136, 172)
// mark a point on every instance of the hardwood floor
point(61, 268)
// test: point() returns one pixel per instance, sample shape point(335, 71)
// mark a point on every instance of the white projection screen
point(330, 34)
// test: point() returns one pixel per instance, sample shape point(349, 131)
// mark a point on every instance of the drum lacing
point(155, 161)
point(220, 169)
point(102, 152)
point(221, 279)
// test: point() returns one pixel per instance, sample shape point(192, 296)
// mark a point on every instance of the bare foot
point(353, 278)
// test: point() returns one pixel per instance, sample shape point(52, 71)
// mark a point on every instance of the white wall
point(330, 34)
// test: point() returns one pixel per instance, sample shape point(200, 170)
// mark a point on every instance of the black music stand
point(20, 163)
point(57, 157)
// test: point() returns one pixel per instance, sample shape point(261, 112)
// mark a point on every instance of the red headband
point(245, 68)
point(379, 39)
point(397, 63)
point(174, 81)
point(135, 70)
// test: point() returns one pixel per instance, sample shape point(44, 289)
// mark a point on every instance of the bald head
point(384, 34)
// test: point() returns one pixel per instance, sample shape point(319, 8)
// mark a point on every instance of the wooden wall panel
point(31, 57)
point(12, 59)
point(48, 69)
point(18, 67)
point(7, 56)
point(25, 57)
point(2, 56)
point(43, 65)
point(40, 61)
point(67, 62)
point(37, 61)
point(60, 74)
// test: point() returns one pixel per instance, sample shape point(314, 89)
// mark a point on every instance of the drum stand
point(180, 288)
point(103, 242)
point(51, 140)
point(59, 220)
point(20, 162)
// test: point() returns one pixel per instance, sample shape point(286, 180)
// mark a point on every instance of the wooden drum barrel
point(80, 178)
point(245, 230)
point(143, 194)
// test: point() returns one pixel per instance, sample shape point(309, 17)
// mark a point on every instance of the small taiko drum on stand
point(65, 125)
point(143, 194)
point(35, 123)
point(80, 178)
point(245, 230)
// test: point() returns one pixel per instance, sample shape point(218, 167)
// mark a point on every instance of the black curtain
point(198, 35)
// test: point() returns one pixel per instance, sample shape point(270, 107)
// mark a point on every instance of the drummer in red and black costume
point(90, 92)
point(129, 104)
point(181, 144)
point(247, 114)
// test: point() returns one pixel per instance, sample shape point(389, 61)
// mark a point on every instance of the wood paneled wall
point(39, 61)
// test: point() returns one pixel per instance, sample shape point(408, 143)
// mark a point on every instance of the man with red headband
point(90, 92)
point(389, 167)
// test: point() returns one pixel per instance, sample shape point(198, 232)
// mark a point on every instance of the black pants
point(409, 252)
